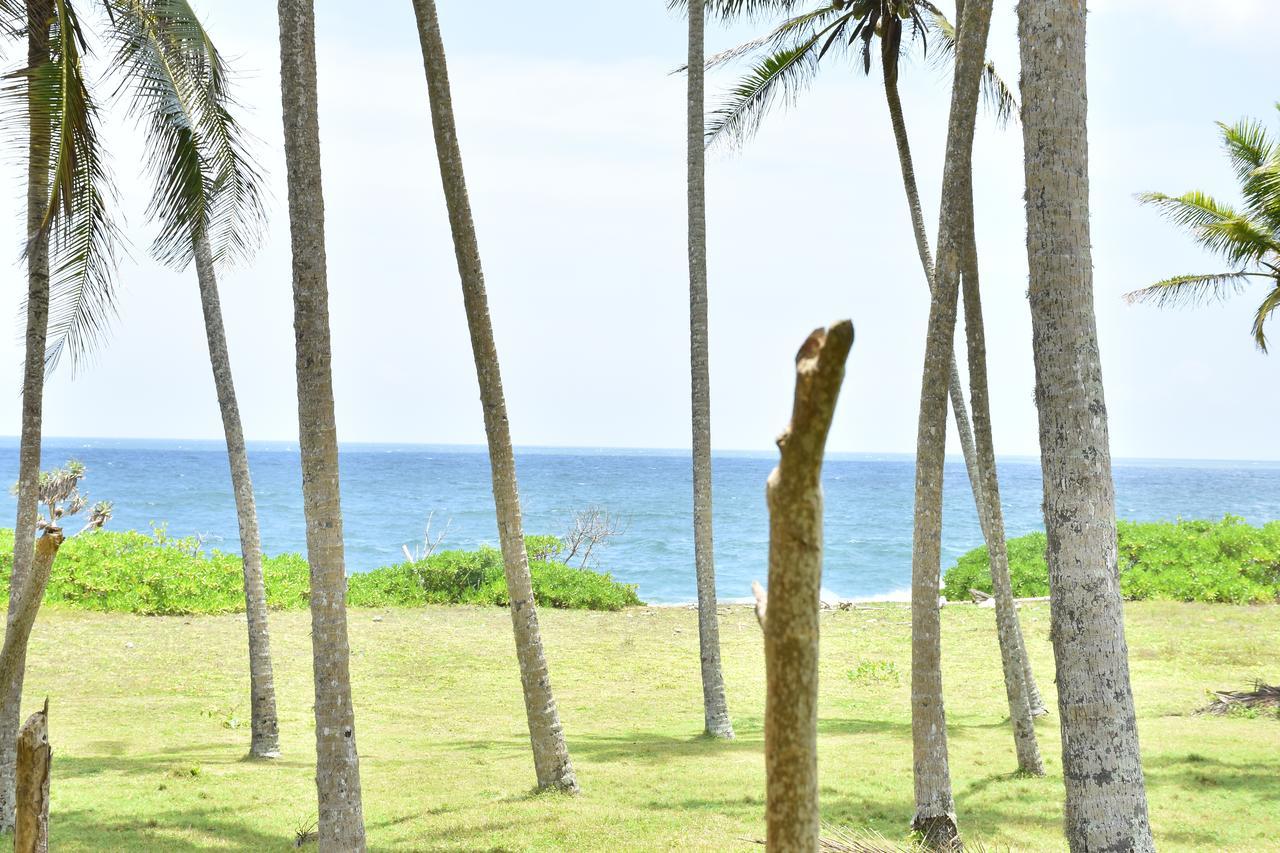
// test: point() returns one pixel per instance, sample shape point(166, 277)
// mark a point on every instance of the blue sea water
point(388, 490)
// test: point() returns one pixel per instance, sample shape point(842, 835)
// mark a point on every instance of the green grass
point(1187, 560)
point(153, 575)
point(149, 733)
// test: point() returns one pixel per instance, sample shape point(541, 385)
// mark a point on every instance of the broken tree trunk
point(794, 495)
point(31, 828)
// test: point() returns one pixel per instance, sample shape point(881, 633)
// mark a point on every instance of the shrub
point(476, 577)
point(136, 573)
point(1217, 561)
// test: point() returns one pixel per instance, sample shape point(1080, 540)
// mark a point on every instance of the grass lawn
point(149, 729)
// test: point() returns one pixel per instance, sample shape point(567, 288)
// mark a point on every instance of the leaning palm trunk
point(1012, 653)
point(935, 808)
point(39, 14)
point(987, 506)
point(550, 754)
point(26, 601)
point(715, 708)
point(794, 494)
point(265, 742)
point(1106, 804)
point(341, 814)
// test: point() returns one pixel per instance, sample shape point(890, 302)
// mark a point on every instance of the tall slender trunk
point(550, 754)
point(935, 807)
point(984, 505)
point(39, 144)
point(715, 708)
point(1106, 803)
point(265, 741)
point(794, 494)
point(341, 814)
point(1012, 653)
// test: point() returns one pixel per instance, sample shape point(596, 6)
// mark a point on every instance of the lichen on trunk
point(1106, 804)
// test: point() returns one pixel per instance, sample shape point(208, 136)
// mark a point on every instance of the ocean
point(389, 490)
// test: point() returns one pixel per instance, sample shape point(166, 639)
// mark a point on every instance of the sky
point(572, 128)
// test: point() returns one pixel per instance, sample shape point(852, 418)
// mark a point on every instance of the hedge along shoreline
point(1226, 561)
point(152, 575)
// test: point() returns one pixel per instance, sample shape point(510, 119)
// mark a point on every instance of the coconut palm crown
point(1247, 238)
point(164, 59)
point(786, 59)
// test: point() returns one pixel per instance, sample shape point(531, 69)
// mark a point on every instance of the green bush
point(153, 575)
point(1224, 561)
point(476, 577)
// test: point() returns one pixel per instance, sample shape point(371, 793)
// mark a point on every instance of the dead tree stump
point(795, 578)
point(31, 829)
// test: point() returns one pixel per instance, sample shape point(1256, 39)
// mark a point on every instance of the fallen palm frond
point(1261, 696)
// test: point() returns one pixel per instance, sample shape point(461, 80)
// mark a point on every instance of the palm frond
point(1217, 227)
point(1256, 161)
point(997, 96)
point(1268, 307)
point(13, 18)
point(783, 74)
point(205, 180)
point(1192, 289)
point(1248, 146)
point(796, 29)
point(83, 238)
point(729, 10)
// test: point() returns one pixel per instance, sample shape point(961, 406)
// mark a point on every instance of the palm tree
point(71, 240)
point(1249, 239)
point(341, 814)
point(1106, 804)
point(935, 818)
point(715, 709)
point(550, 754)
point(207, 196)
point(787, 59)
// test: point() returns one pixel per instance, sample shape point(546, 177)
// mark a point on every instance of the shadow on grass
point(168, 762)
point(203, 828)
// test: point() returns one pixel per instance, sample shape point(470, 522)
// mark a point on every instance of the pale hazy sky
point(573, 137)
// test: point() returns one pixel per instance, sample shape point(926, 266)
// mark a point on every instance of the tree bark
point(935, 808)
point(983, 504)
point(31, 829)
point(550, 754)
point(1012, 653)
point(265, 742)
point(25, 604)
point(794, 495)
point(715, 708)
point(39, 145)
point(1106, 804)
point(341, 814)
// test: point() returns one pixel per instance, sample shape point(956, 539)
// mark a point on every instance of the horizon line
point(618, 448)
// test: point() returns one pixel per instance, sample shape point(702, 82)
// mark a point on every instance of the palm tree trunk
point(986, 506)
point(715, 709)
point(935, 807)
point(1106, 803)
point(1012, 653)
point(550, 754)
point(25, 604)
point(341, 814)
point(794, 494)
point(39, 16)
point(265, 741)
